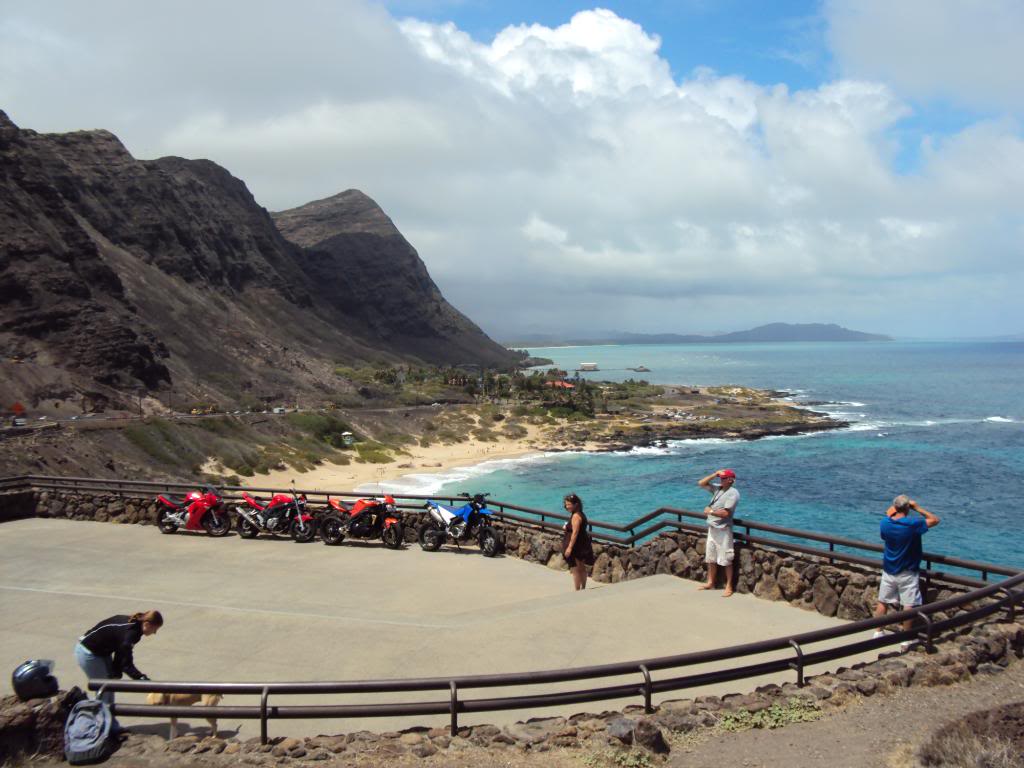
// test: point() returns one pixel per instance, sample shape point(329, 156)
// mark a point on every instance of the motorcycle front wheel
point(303, 533)
point(216, 525)
point(490, 542)
point(332, 530)
point(392, 536)
point(431, 537)
point(246, 529)
point(164, 523)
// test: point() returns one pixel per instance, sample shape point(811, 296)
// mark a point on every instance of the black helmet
point(32, 680)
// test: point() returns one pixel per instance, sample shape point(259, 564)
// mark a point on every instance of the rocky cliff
point(357, 257)
point(121, 275)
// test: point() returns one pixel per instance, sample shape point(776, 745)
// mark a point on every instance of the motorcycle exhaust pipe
point(244, 513)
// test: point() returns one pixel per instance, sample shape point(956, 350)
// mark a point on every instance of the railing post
point(1011, 598)
point(798, 665)
point(263, 714)
point(831, 548)
point(454, 706)
point(647, 689)
point(928, 646)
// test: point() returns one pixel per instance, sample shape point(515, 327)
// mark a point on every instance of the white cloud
point(966, 51)
point(561, 172)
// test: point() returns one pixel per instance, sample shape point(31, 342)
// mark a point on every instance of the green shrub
point(326, 428)
point(776, 716)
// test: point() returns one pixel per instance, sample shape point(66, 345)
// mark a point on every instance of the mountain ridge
point(771, 332)
point(120, 276)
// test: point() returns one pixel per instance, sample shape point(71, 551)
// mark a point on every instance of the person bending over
point(106, 650)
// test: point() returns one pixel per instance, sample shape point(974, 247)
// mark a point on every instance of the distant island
point(773, 332)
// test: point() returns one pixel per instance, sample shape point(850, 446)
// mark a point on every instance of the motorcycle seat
point(254, 501)
point(173, 503)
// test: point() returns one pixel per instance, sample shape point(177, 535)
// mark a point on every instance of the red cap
point(727, 473)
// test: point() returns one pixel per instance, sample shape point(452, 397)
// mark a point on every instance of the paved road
point(260, 610)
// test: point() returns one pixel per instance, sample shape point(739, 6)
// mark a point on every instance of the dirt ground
point(879, 732)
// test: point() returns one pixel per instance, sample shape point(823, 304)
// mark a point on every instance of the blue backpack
point(87, 733)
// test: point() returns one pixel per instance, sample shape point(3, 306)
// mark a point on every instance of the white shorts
point(900, 589)
point(719, 548)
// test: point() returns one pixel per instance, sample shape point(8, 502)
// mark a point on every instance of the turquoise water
point(940, 421)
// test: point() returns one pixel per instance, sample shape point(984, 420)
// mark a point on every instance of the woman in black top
point(105, 651)
point(576, 544)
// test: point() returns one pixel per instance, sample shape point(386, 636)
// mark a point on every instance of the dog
point(186, 700)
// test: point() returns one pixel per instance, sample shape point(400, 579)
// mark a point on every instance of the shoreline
point(409, 470)
point(436, 459)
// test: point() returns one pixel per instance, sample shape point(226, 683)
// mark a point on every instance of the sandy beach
point(431, 460)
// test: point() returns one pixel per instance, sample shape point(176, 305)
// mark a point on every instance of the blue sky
point(767, 42)
point(649, 166)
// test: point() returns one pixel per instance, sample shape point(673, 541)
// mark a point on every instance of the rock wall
point(840, 589)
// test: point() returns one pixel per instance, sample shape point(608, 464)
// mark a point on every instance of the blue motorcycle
point(472, 521)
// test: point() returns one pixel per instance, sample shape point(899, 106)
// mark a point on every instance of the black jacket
point(115, 637)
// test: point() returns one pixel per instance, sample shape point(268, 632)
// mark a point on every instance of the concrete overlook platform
point(272, 610)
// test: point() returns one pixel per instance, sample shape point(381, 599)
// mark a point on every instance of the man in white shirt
point(719, 512)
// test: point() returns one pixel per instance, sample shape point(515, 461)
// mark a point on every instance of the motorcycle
point(285, 514)
point(198, 511)
point(369, 518)
point(470, 521)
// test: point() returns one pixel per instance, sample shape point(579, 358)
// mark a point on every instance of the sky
point(565, 168)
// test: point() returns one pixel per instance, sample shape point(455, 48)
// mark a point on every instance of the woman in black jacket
point(105, 651)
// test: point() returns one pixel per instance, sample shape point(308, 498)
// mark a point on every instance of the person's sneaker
point(879, 633)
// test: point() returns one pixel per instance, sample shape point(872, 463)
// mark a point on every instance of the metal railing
point(985, 599)
point(993, 599)
point(639, 530)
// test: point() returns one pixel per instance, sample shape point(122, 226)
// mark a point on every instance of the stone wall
point(840, 589)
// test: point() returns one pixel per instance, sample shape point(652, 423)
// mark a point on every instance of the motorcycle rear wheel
point(393, 536)
point(332, 530)
point(431, 537)
point(302, 534)
point(164, 523)
point(216, 525)
point(490, 542)
point(246, 529)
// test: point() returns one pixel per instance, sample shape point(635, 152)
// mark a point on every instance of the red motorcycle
point(285, 514)
point(198, 511)
point(365, 519)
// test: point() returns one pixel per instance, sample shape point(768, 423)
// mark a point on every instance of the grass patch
point(775, 716)
point(326, 428)
point(372, 453)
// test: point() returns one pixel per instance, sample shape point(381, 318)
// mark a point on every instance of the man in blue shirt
point(902, 558)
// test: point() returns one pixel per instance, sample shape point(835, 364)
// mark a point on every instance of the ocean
point(940, 421)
